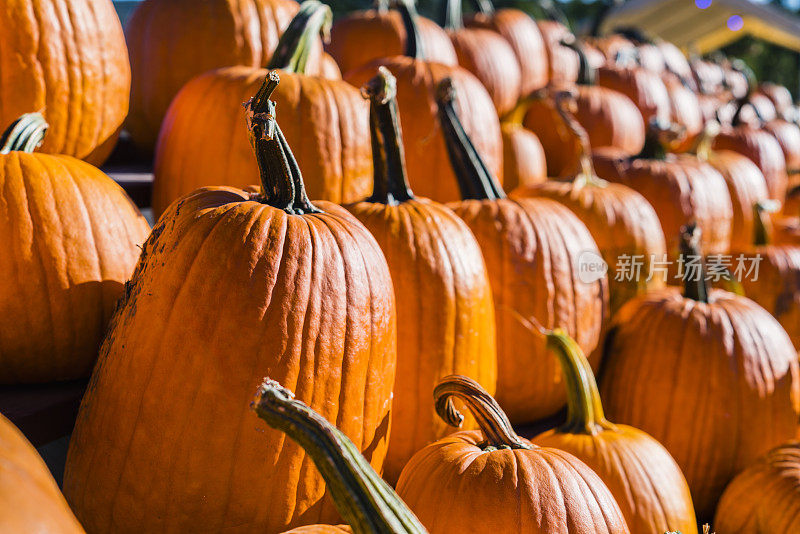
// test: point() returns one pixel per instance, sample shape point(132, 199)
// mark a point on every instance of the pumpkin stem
point(587, 74)
point(281, 180)
point(492, 420)
point(702, 147)
point(452, 19)
point(584, 409)
point(24, 134)
point(695, 286)
point(391, 181)
point(415, 47)
point(564, 101)
point(474, 179)
point(752, 86)
point(763, 225)
point(659, 134)
point(381, 6)
point(553, 12)
point(485, 7)
point(365, 501)
point(297, 42)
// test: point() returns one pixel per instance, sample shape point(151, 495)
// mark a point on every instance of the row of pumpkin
point(233, 284)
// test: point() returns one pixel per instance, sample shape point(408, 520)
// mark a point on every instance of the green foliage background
point(768, 61)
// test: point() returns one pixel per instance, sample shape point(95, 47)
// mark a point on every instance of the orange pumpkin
point(231, 286)
point(488, 56)
point(681, 188)
point(193, 37)
point(71, 238)
point(363, 36)
point(621, 221)
point(645, 480)
point(780, 97)
point(788, 136)
point(428, 167)
point(642, 86)
point(325, 119)
point(30, 500)
point(366, 502)
point(610, 118)
point(68, 59)
point(563, 62)
point(522, 33)
point(760, 146)
point(523, 157)
point(532, 244)
point(702, 371)
point(746, 185)
point(685, 111)
point(445, 315)
point(765, 497)
point(776, 284)
point(491, 480)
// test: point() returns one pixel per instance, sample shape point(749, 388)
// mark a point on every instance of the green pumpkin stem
point(363, 499)
point(752, 86)
point(415, 47)
point(493, 422)
point(586, 175)
point(297, 42)
point(281, 180)
point(391, 180)
point(763, 226)
point(584, 408)
point(695, 287)
point(24, 134)
point(474, 179)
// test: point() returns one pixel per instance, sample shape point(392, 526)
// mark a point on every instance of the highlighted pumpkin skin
point(243, 285)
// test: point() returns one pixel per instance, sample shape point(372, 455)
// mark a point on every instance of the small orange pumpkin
point(645, 480)
point(765, 497)
point(524, 161)
point(563, 62)
point(491, 480)
point(702, 371)
point(532, 244)
point(445, 314)
point(71, 238)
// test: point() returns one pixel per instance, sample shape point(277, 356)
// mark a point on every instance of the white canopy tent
point(705, 30)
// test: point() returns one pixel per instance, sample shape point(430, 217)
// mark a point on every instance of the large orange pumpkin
point(365, 501)
point(645, 480)
point(232, 286)
point(487, 55)
point(681, 188)
point(610, 118)
point(71, 237)
point(30, 500)
point(427, 162)
point(641, 85)
point(68, 59)
point(491, 480)
point(760, 146)
point(172, 41)
point(363, 36)
point(445, 315)
point(532, 248)
point(702, 371)
point(765, 497)
point(202, 142)
point(621, 221)
point(522, 33)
